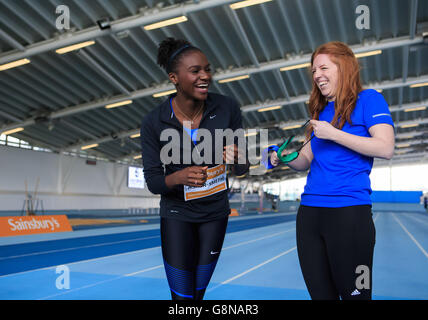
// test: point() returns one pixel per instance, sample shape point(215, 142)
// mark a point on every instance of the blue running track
point(258, 262)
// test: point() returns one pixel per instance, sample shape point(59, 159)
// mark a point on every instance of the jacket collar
point(166, 114)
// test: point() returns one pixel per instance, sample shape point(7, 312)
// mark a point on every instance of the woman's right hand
point(301, 163)
point(274, 160)
point(194, 176)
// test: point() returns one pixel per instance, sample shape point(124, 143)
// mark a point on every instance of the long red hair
point(348, 84)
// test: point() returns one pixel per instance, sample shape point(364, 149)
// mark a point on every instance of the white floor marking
point(411, 236)
point(252, 269)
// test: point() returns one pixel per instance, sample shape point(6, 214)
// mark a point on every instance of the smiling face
point(325, 75)
point(192, 76)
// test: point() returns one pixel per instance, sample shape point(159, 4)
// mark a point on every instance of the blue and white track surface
point(258, 262)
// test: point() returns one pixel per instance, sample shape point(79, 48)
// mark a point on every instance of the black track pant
point(190, 253)
point(335, 248)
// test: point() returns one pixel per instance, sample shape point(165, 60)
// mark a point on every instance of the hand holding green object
point(293, 155)
point(289, 157)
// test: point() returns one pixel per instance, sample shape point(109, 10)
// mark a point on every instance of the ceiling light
point(14, 64)
point(402, 145)
point(249, 134)
point(402, 151)
point(246, 3)
point(165, 23)
point(417, 85)
point(246, 76)
point(138, 157)
point(75, 47)
point(137, 135)
point(118, 104)
point(269, 108)
point(415, 109)
point(291, 127)
point(368, 53)
point(296, 66)
point(13, 131)
point(409, 125)
point(89, 146)
point(408, 135)
point(164, 93)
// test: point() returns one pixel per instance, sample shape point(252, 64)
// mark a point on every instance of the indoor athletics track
point(258, 261)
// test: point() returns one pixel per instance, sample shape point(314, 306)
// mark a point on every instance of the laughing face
point(325, 75)
point(193, 76)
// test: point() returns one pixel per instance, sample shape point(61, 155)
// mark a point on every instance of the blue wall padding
point(397, 196)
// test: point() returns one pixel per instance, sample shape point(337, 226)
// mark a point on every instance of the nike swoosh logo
point(212, 252)
point(212, 117)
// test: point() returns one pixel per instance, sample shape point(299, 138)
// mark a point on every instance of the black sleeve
point(150, 147)
point(236, 123)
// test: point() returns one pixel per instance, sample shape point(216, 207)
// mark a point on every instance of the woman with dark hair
point(349, 127)
point(194, 206)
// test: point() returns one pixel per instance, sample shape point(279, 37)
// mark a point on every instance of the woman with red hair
point(349, 127)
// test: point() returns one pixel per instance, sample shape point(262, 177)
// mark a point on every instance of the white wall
point(66, 182)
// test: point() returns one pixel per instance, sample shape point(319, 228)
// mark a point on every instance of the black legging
point(331, 244)
point(190, 253)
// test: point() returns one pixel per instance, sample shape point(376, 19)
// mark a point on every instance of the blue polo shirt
point(339, 177)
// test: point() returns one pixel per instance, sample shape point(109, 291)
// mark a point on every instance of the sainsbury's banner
point(16, 226)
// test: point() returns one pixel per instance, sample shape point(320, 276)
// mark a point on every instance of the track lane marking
point(252, 269)
point(411, 236)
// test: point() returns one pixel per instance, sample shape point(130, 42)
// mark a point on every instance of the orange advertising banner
point(16, 226)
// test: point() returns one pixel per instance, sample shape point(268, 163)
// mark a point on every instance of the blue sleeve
point(266, 156)
point(376, 109)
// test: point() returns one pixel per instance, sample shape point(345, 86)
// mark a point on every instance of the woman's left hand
point(323, 129)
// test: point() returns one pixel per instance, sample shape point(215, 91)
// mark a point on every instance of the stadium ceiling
point(59, 99)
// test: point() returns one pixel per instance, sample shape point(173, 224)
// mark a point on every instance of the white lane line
point(81, 261)
point(258, 239)
point(160, 266)
point(100, 282)
point(375, 218)
point(131, 252)
point(417, 219)
point(76, 248)
point(411, 236)
point(145, 270)
point(252, 269)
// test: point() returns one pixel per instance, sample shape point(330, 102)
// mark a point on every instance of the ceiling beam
point(266, 66)
point(146, 17)
point(111, 137)
point(397, 83)
point(128, 133)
